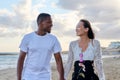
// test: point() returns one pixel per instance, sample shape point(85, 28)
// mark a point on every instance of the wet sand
point(111, 69)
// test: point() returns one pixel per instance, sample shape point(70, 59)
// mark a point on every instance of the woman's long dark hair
point(88, 25)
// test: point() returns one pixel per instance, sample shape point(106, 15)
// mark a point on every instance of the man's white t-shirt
point(39, 51)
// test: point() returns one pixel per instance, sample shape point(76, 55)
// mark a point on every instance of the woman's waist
point(84, 61)
point(87, 64)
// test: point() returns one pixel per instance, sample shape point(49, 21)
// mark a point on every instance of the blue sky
point(7, 4)
point(18, 17)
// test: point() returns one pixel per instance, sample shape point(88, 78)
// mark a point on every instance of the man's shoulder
point(28, 35)
point(52, 36)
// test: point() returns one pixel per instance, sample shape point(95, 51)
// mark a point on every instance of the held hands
point(62, 78)
point(83, 66)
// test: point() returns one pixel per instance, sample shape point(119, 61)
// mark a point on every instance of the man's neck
point(41, 33)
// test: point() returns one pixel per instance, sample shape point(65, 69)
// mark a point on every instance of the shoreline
point(64, 57)
point(111, 67)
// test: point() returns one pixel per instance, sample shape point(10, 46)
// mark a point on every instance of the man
point(36, 50)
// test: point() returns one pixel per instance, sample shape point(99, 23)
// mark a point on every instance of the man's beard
point(49, 31)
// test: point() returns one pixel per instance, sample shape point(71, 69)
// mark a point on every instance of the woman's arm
point(69, 63)
point(98, 61)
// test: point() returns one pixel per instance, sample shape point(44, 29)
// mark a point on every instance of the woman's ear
point(86, 29)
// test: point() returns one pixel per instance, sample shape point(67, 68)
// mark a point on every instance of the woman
point(86, 54)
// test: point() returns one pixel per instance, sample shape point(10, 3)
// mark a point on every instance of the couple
point(36, 50)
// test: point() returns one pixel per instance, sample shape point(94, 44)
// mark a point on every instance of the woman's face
point(80, 30)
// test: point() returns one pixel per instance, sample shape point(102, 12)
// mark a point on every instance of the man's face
point(47, 24)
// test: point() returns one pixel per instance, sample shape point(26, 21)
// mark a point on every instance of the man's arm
point(59, 65)
point(20, 64)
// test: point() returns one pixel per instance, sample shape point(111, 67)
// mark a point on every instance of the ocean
point(8, 60)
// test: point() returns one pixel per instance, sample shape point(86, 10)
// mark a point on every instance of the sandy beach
point(111, 69)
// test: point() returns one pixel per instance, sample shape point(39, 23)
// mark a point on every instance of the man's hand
point(20, 64)
point(59, 65)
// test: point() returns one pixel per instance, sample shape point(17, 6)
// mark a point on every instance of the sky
point(18, 17)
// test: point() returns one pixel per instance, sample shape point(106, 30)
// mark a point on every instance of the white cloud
point(110, 31)
point(65, 22)
point(103, 14)
point(104, 17)
point(17, 21)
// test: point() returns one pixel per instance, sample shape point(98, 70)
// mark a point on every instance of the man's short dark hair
point(41, 17)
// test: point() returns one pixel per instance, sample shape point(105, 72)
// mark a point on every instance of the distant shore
point(111, 69)
point(8, 53)
point(105, 51)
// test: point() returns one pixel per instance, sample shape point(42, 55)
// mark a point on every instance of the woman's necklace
point(81, 57)
point(81, 62)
